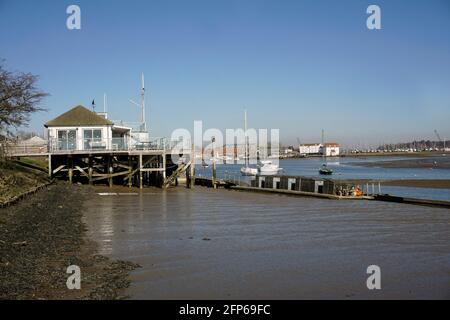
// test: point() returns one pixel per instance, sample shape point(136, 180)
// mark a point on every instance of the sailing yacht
point(246, 170)
point(324, 170)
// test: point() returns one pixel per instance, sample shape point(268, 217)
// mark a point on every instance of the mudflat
point(43, 234)
point(440, 162)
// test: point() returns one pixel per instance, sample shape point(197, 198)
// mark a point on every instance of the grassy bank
point(41, 236)
point(17, 178)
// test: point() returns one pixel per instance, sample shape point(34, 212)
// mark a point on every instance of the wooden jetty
point(152, 166)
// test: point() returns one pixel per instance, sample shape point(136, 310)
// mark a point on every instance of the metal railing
point(89, 144)
point(93, 144)
point(135, 126)
point(11, 149)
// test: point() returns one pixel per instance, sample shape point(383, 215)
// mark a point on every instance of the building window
point(67, 139)
point(93, 139)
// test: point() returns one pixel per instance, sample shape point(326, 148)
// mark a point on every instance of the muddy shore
point(442, 162)
point(41, 236)
point(16, 180)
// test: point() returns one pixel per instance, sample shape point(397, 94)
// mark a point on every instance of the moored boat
point(246, 170)
point(267, 168)
point(325, 170)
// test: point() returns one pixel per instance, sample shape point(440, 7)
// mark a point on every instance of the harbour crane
point(439, 137)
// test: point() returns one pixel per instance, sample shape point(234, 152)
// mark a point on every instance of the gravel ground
point(41, 236)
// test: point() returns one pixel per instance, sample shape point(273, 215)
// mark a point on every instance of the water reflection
point(226, 244)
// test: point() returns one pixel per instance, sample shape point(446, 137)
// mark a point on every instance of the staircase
point(171, 179)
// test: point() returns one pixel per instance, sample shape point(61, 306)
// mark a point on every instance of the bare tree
point(19, 98)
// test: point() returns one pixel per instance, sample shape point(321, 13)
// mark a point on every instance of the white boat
point(267, 168)
point(246, 170)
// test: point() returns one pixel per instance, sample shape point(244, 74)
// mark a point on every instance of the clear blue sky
point(295, 65)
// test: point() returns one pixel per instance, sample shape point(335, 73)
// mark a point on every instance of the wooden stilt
point(131, 170)
point(192, 168)
point(135, 168)
point(70, 166)
point(110, 173)
point(50, 172)
point(164, 166)
point(140, 171)
point(90, 170)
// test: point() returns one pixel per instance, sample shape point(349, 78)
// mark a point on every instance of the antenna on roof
point(104, 103)
point(93, 105)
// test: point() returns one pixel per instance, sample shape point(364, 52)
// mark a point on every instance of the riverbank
point(17, 180)
point(394, 154)
point(435, 184)
point(41, 236)
point(438, 162)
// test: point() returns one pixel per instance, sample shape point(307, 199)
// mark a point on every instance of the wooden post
point(70, 165)
point(192, 167)
point(90, 170)
point(50, 172)
point(164, 166)
point(140, 171)
point(110, 176)
point(110, 172)
point(131, 170)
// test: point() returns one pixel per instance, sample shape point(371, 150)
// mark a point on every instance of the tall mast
point(323, 145)
point(104, 103)
point(144, 125)
point(246, 138)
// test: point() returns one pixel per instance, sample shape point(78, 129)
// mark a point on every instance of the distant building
point(33, 141)
point(331, 149)
point(310, 148)
point(33, 145)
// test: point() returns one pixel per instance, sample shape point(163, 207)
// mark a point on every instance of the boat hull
point(246, 171)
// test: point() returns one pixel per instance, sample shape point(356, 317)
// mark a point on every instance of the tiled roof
point(78, 116)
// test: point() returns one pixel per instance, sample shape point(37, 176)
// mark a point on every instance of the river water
point(219, 244)
point(347, 168)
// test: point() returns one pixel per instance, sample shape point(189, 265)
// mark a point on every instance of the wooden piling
point(131, 170)
point(110, 176)
point(192, 168)
point(140, 171)
point(50, 172)
point(90, 170)
point(70, 166)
